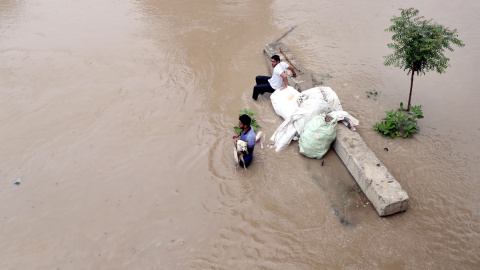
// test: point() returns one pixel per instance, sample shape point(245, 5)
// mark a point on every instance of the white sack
point(340, 115)
point(283, 135)
point(331, 97)
point(285, 101)
point(335, 105)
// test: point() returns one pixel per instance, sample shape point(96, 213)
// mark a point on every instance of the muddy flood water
point(117, 117)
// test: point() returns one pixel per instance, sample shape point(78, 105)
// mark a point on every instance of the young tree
point(419, 44)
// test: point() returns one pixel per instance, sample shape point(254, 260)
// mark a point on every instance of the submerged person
point(270, 84)
point(248, 135)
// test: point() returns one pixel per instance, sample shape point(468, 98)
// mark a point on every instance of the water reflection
point(11, 12)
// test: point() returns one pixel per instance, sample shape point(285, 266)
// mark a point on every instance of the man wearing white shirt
point(270, 84)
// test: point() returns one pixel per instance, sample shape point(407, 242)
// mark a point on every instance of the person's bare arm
point(285, 80)
point(292, 70)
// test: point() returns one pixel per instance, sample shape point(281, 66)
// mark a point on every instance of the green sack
point(317, 136)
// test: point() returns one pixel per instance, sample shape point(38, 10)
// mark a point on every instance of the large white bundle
point(335, 105)
point(285, 101)
point(311, 104)
point(331, 97)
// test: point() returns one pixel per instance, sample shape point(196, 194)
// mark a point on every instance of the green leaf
point(253, 123)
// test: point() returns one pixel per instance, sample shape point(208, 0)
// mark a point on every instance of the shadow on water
point(346, 198)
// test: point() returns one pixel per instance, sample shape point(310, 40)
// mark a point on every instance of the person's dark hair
point(276, 58)
point(245, 119)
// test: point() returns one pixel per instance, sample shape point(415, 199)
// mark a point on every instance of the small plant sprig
point(398, 124)
point(372, 94)
point(253, 124)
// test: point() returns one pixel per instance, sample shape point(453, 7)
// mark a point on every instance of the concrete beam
point(377, 183)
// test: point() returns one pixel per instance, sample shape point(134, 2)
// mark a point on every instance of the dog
point(241, 149)
point(238, 153)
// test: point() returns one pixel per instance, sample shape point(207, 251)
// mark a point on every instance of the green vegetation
point(419, 44)
point(398, 124)
point(372, 94)
point(254, 123)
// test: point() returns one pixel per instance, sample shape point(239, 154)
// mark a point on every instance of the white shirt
point(276, 79)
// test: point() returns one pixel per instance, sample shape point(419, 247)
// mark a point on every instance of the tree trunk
point(411, 86)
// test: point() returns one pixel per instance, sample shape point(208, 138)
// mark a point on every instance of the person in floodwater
point(270, 84)
point(248, 135)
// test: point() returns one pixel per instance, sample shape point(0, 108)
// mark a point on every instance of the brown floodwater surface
point(117, 116)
